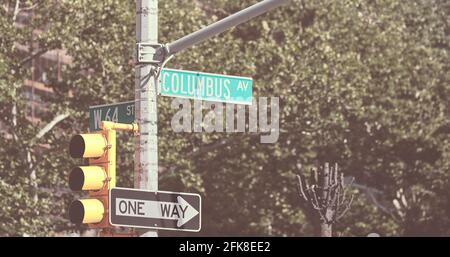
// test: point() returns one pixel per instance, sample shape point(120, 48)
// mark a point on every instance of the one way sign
point(159, 210)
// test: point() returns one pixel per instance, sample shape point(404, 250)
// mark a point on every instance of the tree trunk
point(33, 178)
point(326, 230)
point(326, 227)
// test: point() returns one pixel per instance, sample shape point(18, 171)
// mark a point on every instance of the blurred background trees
point(364, 83)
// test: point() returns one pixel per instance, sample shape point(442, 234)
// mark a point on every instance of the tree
point(326, 194)
point(362, 83)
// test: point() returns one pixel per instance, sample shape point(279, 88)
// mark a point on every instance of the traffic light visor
point(87, 145)
point(87, 178)
point(86, 211)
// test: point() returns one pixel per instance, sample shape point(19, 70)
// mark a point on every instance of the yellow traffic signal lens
point(87, 145)
point(86, 211)
point(87, 178)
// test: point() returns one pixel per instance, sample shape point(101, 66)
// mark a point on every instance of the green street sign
point(117, 112)
point(206, 86)
point(180, 83)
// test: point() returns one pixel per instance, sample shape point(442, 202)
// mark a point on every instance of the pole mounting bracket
point(150, 53)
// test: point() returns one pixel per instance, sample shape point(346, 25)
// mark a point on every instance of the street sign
point(117, 112)
point(158, 210)
point(206, 86)
point(180, 83)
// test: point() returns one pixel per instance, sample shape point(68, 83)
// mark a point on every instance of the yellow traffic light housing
point(87, 211)
point(87, 178)
point(97, 178)
point(88, 145)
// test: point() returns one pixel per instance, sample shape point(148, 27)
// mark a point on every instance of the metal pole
point(146, 143)
point(224, 24)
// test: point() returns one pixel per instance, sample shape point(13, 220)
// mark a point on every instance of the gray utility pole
point(151, 57)
point(146, 143)
point(223, 25)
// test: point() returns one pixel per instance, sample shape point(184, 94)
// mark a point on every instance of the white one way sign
point(181, 211)
point(160, 210)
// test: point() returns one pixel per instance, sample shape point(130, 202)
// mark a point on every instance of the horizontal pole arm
point(109, 125)
point(222, 25)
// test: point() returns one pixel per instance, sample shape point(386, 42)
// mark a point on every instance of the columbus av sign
point(206, 86)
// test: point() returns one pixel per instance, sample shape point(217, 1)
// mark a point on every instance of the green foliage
point(362, 83)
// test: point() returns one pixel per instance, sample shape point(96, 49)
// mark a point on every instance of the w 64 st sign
point(118, 112)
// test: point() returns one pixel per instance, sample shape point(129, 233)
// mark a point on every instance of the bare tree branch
point(371, 193)
point(347, 207)
point(31, 7)
point(5, 7)
point(33, 56)
point(33, 164)
point(366, 188)
point(51, 124)
point(16, 10)
point(57, 119)
point(302, 191)
point(326, 194)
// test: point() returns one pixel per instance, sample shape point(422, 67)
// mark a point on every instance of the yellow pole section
point(111, 137)
point(109, 125)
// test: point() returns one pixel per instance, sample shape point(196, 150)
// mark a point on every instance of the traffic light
point(97, 178)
